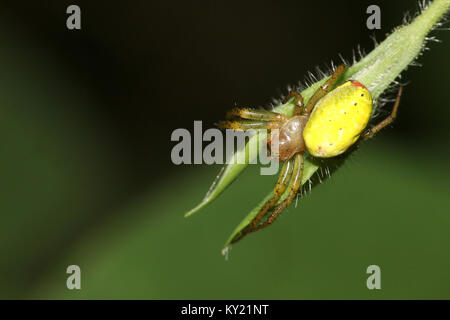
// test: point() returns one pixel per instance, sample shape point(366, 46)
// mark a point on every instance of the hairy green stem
point(377, 71)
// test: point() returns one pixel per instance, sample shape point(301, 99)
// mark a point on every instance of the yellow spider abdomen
point(338, 119)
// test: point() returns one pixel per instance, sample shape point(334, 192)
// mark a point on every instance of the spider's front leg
point(242, 125)
point(375, 129)
point(249, 119)
point(254, 114)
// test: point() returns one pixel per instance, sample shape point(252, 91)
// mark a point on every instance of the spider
point(329, 123)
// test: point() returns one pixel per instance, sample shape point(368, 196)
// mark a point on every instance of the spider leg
point(294, 187)
point(253, 114)
point(242, 125)
point(283, 180)
point(298, 102)
point(375, 129)
point(323, 89)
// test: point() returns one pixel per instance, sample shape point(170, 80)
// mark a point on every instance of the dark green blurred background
point(86, 176)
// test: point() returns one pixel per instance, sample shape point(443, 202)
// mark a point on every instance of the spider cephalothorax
point(290, 137)
point(329, 123)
